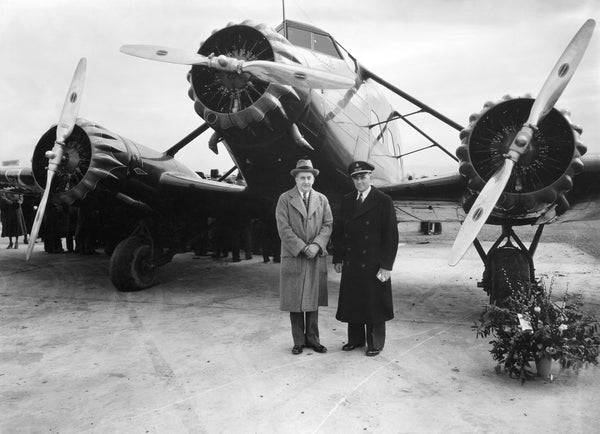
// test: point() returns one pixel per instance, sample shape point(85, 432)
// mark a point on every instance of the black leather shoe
point(348, 347)
point(372, 352)
point(297, 349)
point(319, 348)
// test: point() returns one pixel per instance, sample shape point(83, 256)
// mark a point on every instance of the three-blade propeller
point(551, 90)
point(64, 129)
point(273, 72)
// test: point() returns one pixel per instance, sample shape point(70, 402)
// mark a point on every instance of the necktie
point(359, 201)
point(305, 199)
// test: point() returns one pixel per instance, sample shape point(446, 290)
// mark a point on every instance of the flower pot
point(543, 366)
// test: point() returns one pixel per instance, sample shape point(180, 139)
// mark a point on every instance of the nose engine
point(239, 105)
point(91, 154)
point(541, 177)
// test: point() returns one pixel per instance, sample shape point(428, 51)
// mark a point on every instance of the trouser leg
point(312, 328)
point(356, 334)
point(376, 336)
point(297, 320)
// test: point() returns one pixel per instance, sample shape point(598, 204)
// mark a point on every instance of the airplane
point(274, 95)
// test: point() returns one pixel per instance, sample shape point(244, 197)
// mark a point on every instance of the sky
point(453, 55)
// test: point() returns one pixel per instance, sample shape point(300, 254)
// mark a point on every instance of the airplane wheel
point(507, 271)
point(131, 265)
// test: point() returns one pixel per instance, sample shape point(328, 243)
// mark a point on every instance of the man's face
point(304, 181)
point(362, 181)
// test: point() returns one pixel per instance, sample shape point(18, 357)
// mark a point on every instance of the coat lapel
point(368, 204)
point(296, 201)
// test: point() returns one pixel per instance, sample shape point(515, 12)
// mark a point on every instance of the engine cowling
point(542, 176)
point(239, 105)
point(91, 154)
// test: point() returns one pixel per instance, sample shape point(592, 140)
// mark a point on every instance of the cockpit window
point(324, 44)
point(299, 37)
point(312, 40)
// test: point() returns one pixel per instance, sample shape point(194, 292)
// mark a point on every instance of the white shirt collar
point(302, 193)
point(364, 193)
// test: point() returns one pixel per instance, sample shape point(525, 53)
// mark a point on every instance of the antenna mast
point(285, 35)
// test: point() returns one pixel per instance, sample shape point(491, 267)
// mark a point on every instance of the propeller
point(64, 129)
point(551, 90)
point(273, 72)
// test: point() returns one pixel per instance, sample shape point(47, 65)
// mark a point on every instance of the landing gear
point(132, 266)
point(508, 268)
point(431, 228)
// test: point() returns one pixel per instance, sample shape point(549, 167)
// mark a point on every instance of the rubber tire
point(129, 270)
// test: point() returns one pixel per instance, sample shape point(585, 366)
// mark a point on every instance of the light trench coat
point(303, 281)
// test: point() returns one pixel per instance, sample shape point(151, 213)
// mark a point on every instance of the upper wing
point(429, 199)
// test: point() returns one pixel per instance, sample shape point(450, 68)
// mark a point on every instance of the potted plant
point(530, 326)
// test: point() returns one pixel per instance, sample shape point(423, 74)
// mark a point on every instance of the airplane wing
point(440, 198)
point(177, 180)
point(429, 199)
point(19, 180)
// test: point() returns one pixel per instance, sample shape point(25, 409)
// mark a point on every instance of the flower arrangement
point(530, 326)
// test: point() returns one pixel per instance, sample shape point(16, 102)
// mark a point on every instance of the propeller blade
point(561, 73)
point(70, 109)
point(480, 211)
point(296, 75)
point(65, 126)
point(551, 90)
point(165, 54)
point(39, 216)
point(272, 72)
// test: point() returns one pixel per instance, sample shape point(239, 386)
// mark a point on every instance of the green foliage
point(561, 331)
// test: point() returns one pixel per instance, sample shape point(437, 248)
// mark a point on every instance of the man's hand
point(384, 275)
point(337, 267)
point(311, 251)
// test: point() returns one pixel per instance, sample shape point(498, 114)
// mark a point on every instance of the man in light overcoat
point(304, 223)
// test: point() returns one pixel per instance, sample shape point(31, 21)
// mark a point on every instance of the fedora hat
point(357, 167)
point(304, 166)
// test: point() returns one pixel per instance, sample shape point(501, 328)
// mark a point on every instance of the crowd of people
point(238, 234)
point(64, 228)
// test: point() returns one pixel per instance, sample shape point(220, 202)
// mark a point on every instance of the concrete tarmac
point(208, 351)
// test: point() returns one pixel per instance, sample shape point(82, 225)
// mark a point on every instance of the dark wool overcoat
point(11, 218)
point(303, 281)
point(365, 240)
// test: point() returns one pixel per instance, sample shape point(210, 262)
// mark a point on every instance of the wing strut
point(368, 74)
point(186, 140)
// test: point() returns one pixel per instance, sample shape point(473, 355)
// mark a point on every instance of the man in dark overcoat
point(304, 223)
point(365, 246)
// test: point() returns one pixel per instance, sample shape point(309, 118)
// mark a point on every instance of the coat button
point(366, 237)
point(367, 222)
point(364, 251)
point(363, 265)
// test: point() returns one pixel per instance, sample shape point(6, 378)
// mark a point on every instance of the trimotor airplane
point(272, 96)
